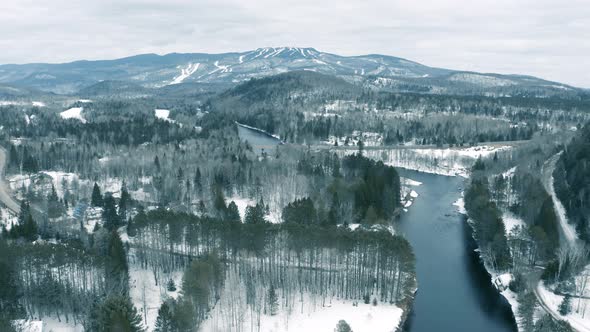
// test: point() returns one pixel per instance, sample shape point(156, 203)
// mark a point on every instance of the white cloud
point(544, 38)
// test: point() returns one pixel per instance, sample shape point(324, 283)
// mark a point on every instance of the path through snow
point(568, 230)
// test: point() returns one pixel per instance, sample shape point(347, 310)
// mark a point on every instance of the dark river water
point(455, 293)
point(454, 290)
point(258, 140)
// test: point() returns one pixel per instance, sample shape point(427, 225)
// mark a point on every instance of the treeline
point(572, 182)
point(489, 228)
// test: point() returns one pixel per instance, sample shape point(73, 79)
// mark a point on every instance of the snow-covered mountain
point(374, 71)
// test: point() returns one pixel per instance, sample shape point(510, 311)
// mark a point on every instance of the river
point(454, 290)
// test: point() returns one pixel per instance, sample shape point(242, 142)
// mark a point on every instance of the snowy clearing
point(162, 114)
point(73, 113)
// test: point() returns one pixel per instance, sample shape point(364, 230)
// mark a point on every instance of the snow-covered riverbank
point(450, 161)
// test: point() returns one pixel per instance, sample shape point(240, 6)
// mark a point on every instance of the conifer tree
point(96, 199)
point(109, 213)
point(233, 214)
point(124, 202)
point(273, 301)
point(342, 327)
point(116, 313)
point(165, 322)
point(565, 307)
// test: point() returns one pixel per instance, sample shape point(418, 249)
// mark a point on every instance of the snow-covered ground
point(22, 325)
point(450, 161)
point(578, 319)
point(162, 114)
point(308, 314)
point(147, 296)
point(460, 204)
point(408, 194)
point(190, 69)
point(368, 138)
point(511, 221)
point(73, 113)
point(241, 203)
point(7, 218)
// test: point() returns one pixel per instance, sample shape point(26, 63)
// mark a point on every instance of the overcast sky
point(545, 38)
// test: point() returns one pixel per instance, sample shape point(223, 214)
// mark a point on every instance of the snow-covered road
point(568, 231)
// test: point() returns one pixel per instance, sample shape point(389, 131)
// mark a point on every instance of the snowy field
point(73, 113)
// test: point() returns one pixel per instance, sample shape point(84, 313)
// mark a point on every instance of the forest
point(132, 221)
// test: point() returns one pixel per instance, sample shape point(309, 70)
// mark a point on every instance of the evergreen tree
point(109, 213)
point(157, 164)
point(124, 202)
point(96, 199)
point(254, 215)
point(273, 301)
point(566, 306)
point(342, 327)
point(171, 286)
point(13, 159)
point(197, 181)
point(54, 206)
point(25, 210)
point(219, 200)
point(116, 269)
point(116, 313)
point(233, 214)
point(165, 322)
point(30, 229)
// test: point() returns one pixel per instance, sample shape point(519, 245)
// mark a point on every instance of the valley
point(288, 189)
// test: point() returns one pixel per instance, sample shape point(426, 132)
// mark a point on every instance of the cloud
point(544, 38)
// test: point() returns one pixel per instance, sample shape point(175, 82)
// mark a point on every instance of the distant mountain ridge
point(372, 71)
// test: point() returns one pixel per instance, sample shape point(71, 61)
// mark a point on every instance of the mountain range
point(152, 71)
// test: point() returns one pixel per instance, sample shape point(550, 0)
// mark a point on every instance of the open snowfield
point(162, 114)
point(73, 113)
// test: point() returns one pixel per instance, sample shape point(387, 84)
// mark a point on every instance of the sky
point(545, 38)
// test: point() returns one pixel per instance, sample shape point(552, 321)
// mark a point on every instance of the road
point(5, 197)
point(568, 233)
